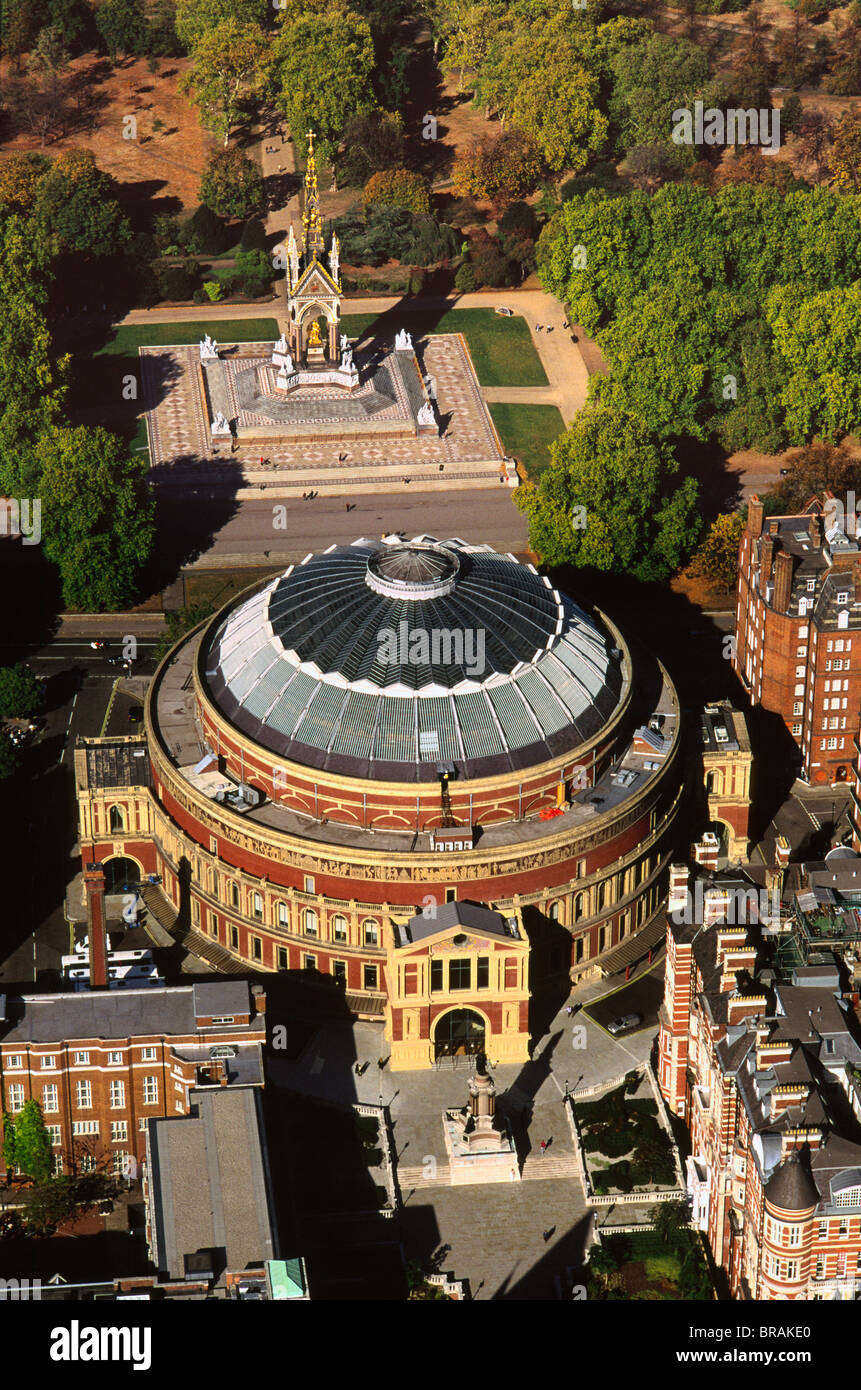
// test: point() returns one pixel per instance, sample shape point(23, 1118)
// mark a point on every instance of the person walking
point(543, 1147)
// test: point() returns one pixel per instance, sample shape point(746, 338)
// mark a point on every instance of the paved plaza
point(467, 452)
point(510, 1240)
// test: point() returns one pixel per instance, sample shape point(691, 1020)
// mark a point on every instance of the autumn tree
point(844, 157)
point(502, 169)
point(76, 208)
point(398, 188)
point(370, 143)
point(814, 138)
point(20, 176)
point(228, 70)
point(818, 468)
point(716, 559)
point(231, 184)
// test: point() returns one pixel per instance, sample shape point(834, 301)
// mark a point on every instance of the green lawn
point(502, 350)
point(526, 431)
point(130, 336)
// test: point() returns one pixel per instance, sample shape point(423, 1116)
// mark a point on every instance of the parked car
point(506, 313)
point(136, 714)
point(624, 1023)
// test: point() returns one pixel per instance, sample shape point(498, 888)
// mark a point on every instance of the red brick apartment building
point(765, 1074)
point(103, 1063)
point(798, 617)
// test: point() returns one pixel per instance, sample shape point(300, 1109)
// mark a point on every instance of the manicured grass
point(130, 336)
point(217, 586)
point(501, 349)
point(526, 432)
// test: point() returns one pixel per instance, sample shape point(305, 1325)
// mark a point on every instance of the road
point(257, 531)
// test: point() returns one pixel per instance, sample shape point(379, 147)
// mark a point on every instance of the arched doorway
point(459, 1033)
point(121, 875)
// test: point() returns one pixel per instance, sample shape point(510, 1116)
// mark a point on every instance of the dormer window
point(843, 597)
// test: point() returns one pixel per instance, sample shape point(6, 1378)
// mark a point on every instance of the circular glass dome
point(375, 659)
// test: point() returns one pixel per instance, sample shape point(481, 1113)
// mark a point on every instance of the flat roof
point(209, 1184)
point(122, 1013)
point(120, 762)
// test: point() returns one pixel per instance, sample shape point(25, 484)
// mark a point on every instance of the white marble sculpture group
point(208, 349)
point(403, 341)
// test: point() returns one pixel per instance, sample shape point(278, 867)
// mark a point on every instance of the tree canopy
point(231, 184)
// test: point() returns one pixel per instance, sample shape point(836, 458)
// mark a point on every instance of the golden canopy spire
point(311, 222)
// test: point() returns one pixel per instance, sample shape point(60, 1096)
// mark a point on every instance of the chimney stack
point(766, 553)
point(94, 887)
point(781, 852)
point(816, 530)
point(258, 994)
point(755, 512)
point(782, 582)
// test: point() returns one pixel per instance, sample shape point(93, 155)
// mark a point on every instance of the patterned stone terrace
point(338, 455)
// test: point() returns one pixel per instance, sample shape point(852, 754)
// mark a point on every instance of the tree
point(819, 338)
point(792, 113)
point(76, 210)
point(398, 188)
point(32, 1142)
point(844, 159)
point(322, 70)
point(8, 1140)
point(228, 70)
point(793, 50)
point(231, 184)
point(371, 143)
point(122, 25)
point(817, 468)
point(205, 233)
point(20, 176)
point(195, 18)
point(503, 169)
point(613, 499)
point(10, 757)
point(669, 1219)
point(844, 79)
point(651, 79)
point(97, 515)
point(814, 137)
point(20, 692)
point(178, 622)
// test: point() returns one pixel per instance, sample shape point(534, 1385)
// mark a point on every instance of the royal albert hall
point(388, 726)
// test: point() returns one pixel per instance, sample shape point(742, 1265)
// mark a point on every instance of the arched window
point(234, 894)
point(283, 915)
point(258, 907)
point(309, 921)
point(339, 927)
point(578, 907)
point(553, 912)
point(372, 932)
point(117, 819)
point(602, 895)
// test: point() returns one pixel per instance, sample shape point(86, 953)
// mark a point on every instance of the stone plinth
point(493, 1160)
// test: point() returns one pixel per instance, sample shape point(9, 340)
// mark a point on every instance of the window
point(14, 1063)
point(578, 907)
point(849, 1197)
point(459, 974)
point(843, 597)
point(309, 921)
point(482, 972)
point(150, 1090)
point(48, 1063)
point(791, 1269)
point(50, 1100)
point(309, 962)
point(115, 1059)
point(339, 928)
point(213, 924)
point(148, 1054)
point(435, 976)
point(55, 1133)
point(117, 819)
point(257, 908)
point(283, 916)
point(256, 948)
point(451, 895)
point(234, 894)
point(309, 883)
point(15, 1094)
point(86, 1163)
point(799, 673)
point(234, 938)
point(120, 1164)
point(118, 1095)
point(223, 1018)
point(823, 1230)
point(142, 1124)
point(339, 971)
point(283, 958)
point(796, 730)
point(553, 912)
point(372, 933)
point(370, 976)
point(811, 586)
point(83, 1127)
point(84, 1095)
point(119, 1131)
point(794, 1235)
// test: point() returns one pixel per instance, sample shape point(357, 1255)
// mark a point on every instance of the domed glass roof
point(383, 659)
